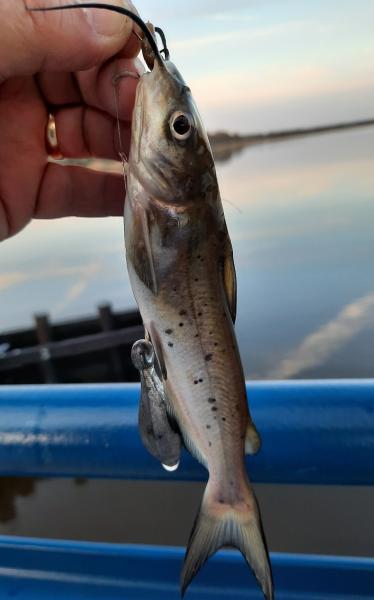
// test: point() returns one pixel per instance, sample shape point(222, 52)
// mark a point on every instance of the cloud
point(232, 17)
point(320, 345)
point(8, 280)
point(195, 8)
point(251, 33)
point(78, 288)
point(291, 82)
point(13, 278)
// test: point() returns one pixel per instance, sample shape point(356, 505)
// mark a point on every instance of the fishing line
point(232, 204)
point(113, 8)
point(121, 152)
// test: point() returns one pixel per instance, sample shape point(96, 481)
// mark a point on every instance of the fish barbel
point(180, 263)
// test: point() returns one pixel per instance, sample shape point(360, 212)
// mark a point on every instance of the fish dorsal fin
point(229, 276)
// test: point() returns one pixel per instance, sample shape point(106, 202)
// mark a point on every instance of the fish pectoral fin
point(157, 345)
point(158, 435)
point(148, 265)
point(252, 439)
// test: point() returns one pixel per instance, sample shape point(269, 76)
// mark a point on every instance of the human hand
point(62, 61)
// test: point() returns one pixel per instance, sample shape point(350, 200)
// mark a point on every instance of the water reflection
point(300, 213)
point(316, 349)
point(304, 245)
point(153, 513)
point(10, 489)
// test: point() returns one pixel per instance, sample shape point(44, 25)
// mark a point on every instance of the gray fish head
point(170, 152)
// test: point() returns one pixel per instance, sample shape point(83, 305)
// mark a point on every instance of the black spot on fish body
point(216, 344)
point(208, 357)
point(182, 312)
point(211, 400)
point(199, 314)
point(223, 418)
point(214, 408)
point(196, 382)
point(208, 426)
point(170, 344)
point(210, 443)
point(168, 331)
point(201, 380)
point(181, 324)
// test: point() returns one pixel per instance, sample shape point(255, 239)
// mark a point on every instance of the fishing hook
point(165, 49)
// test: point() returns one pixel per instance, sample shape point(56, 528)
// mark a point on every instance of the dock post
point(43, 334)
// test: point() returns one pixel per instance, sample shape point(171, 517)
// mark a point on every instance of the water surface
point(302, 231)
point(303, 238)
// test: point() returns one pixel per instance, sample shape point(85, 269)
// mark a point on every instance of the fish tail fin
point(221, 523)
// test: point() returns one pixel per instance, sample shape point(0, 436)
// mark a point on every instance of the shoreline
point(223, 144)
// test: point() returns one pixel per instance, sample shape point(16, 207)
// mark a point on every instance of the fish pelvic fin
point(235, 524)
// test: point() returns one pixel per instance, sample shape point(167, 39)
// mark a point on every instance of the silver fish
point(180, 263)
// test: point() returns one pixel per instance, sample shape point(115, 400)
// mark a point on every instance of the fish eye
point(181, 125)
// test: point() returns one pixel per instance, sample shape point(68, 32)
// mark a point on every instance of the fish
point(180, 263)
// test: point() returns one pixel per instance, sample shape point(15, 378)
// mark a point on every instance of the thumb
point(66, 40)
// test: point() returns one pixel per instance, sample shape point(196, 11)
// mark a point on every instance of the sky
point(260, 65)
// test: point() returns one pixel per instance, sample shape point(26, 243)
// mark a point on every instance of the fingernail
point(105, 22)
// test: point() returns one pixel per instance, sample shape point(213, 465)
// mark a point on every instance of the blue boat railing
point(313, 432)
point(319, 432)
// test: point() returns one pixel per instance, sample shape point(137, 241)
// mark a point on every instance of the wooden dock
point(95, 349)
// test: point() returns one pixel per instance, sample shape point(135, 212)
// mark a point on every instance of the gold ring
point(51, 142)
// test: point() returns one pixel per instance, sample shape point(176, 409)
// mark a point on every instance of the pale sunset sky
point(255, 65)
